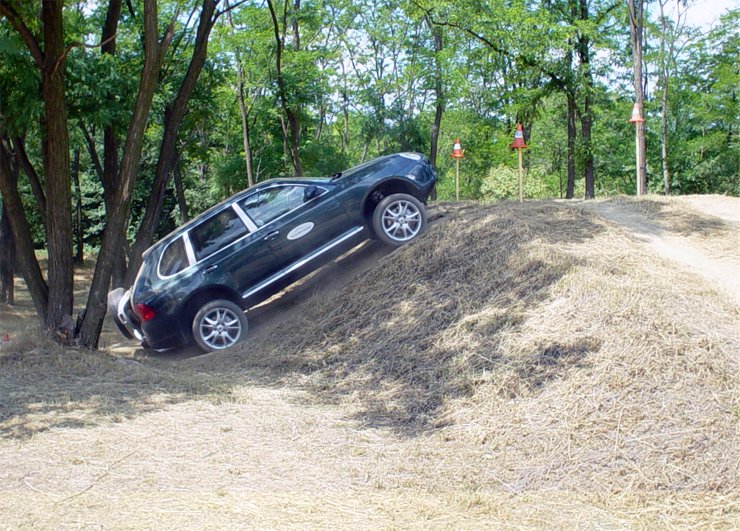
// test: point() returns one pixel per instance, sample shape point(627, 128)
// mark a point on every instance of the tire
point(399, 219)
point(218, 325)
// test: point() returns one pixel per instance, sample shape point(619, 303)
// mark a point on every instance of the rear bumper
point(119, 308)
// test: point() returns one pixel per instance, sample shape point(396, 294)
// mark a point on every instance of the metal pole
point(457, 179)
point(521, 177)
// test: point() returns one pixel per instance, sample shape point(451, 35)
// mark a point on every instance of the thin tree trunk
point(168, 147)
point(80, 254)
point(584, 55)
point(664, 101)
point(56, 168)
point(109, 175)
point(19, 146)
point(25, 255)
point(294, 129)
point(636, 8)
point(182, 204)
point(438, 91)
point(571, 148)
point(243, 111)
point(7, 259)
point(114, 235)
point(245, 122)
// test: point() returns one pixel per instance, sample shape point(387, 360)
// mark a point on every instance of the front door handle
point(210, 269)
point(272, 235)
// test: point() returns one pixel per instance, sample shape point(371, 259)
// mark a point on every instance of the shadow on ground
point(395, 335)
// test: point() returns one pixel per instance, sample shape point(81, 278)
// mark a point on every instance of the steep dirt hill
point(522, 365)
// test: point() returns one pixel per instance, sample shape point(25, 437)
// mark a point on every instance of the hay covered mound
point(542, 346)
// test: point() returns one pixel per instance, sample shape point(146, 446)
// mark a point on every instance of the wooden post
point(457, 179)
point(521, 177)
point(638, 161)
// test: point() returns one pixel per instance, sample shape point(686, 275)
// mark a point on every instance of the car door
point(293, 224)
point(229, 251)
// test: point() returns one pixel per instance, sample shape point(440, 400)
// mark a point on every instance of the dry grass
point(521, 366)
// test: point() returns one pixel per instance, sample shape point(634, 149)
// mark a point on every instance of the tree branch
point(25, 33)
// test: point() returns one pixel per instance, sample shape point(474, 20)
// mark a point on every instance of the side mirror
point(312, 192)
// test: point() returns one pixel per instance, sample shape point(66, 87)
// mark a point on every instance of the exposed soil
point(722, 269)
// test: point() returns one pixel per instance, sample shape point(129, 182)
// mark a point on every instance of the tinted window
point(270, 204)
point(216, 232)
point(174, 259)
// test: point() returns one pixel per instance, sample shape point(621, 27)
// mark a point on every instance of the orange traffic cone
point(518, 138)
point(457, 152)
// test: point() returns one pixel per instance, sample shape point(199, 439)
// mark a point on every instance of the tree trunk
point(80, 254)
point(243, 111)
point(110, 138)
point(168, 148)
point(571, 149)
point(56, 168)
point(438, 91)
point(19, 146)
point(293, 132)
point(636, 36)
point(7, 259)
point(25, 255)
point(664, 101)
point(114, 235)
point(584, 55)
point(182, 204)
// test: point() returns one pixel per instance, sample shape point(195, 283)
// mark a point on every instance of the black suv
point(197, 282)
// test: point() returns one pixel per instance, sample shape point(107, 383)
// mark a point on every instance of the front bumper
point(119, 308)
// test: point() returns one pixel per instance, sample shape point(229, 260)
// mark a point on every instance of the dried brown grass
point(522, 366)
point(545, 340)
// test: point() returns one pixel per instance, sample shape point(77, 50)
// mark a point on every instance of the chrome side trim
point(300, 263)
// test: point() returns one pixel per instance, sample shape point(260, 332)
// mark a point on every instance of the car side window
point(174, 259)
point(270, 204)
point(216, 232)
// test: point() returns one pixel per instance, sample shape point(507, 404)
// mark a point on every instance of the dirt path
point(723, 271)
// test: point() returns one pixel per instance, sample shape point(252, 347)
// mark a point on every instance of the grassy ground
point(520, 366)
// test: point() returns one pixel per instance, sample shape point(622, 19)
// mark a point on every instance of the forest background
point(120, 119)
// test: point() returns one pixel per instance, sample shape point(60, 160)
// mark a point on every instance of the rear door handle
point(272, 235)
point(210, 269)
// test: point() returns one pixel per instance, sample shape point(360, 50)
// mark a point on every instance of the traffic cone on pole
point(518, 142)
point(637, 119)
point(457, 154)
point(520, 145)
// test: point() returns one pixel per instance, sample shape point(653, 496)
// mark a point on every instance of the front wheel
point(399, 219)
point(218, 325)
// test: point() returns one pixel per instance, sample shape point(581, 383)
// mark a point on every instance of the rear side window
point(270, 204)
point(174, 259)
point(216, 232)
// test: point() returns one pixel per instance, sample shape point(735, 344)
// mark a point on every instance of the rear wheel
point(218, 325)
point(399, 219)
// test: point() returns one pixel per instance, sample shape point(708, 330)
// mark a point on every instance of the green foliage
point(362, 79)
point(502, 182)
